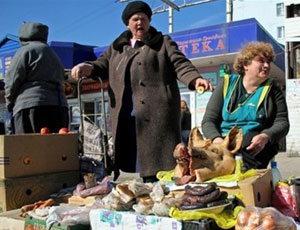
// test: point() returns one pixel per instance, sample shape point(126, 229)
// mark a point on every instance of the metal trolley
point(103, 152)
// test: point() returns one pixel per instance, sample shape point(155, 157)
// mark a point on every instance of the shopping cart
point(96, 151)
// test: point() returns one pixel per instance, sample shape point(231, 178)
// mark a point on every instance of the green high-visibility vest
point(245, 114)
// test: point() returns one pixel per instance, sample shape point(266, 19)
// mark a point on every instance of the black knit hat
point(135, 7)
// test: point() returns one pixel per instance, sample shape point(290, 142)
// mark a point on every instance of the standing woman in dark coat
point(186, 119)
point(143, 67)
point(34, 84)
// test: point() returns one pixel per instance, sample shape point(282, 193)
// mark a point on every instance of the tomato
point(45, 130)
point(63, 131)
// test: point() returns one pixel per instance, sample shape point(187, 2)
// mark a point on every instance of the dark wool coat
point(154, 70)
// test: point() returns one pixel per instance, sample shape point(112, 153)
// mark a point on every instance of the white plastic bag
point(92, 139)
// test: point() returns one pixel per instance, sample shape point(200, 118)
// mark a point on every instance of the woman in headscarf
point(143, 67)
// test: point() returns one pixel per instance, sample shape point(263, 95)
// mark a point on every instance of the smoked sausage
point(200, 190)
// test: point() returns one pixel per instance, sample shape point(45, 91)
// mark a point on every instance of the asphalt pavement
point(288, 165)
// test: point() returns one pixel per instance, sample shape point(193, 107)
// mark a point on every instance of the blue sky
point(98, 22)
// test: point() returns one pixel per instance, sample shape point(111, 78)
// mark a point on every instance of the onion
point(268, 223)
point(254, 219)
point(243, 218)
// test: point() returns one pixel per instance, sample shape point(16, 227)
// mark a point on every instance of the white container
point(276, 175)
point(238, 164)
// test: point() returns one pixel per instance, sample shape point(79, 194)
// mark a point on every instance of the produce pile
point(255, 218)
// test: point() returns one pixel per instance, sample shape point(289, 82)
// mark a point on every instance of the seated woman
point(252, 101)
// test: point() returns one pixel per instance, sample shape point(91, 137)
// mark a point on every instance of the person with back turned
point(34, 84)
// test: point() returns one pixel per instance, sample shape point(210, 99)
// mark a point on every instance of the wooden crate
point(16, 192)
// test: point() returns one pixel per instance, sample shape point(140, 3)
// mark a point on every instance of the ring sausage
point(214, 195)
point(199, 190)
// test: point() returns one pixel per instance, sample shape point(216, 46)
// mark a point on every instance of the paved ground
point(288, 166)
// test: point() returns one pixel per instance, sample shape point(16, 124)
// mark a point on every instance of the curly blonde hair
point(250, 51)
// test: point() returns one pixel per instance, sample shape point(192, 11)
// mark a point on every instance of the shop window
point(279, 9)
point(280, 32)
point(297, 61)
point(99, 115)
point(294, 60)
point(89, 110)
point(7, 62)
point(293, 10)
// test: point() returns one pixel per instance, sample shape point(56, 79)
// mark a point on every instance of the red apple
point(45, 130)
point(63, 131)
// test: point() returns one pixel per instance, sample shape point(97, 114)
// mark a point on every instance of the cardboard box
point(256, 190)
point(34, 154)
point(16, 192)
point(36, 224)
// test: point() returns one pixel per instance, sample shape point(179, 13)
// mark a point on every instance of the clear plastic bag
point(255, 218)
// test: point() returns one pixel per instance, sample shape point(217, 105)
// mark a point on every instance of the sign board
point(93, 86)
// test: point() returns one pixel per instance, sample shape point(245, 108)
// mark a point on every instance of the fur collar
point(153, 39)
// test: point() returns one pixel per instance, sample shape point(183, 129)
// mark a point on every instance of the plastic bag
point(91, 165)
point(102, 188)
point(284, 200)
point(92, 144)
point(225, 219)
point(97, 144)
point(68, 215)
point(254, 218)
